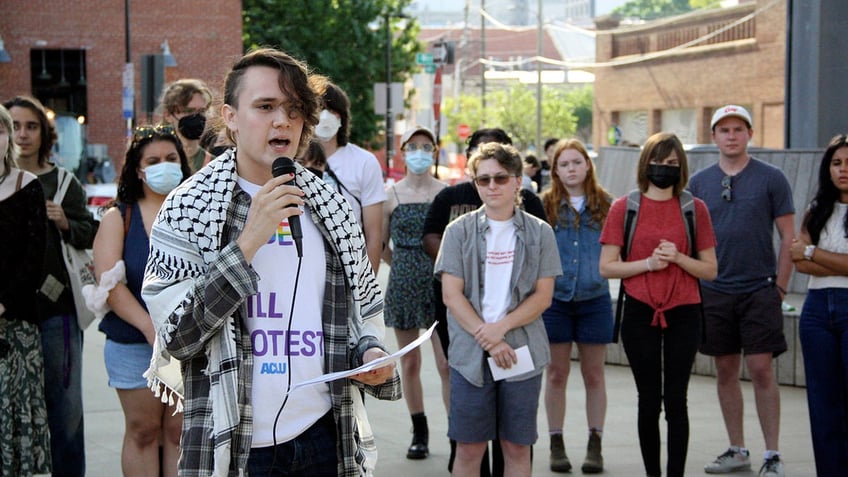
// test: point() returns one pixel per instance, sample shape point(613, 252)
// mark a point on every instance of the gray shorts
point(749, 323)
point(499, 410)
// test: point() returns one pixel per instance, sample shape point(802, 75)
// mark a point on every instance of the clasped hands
point(664, 254)
point(490, 337)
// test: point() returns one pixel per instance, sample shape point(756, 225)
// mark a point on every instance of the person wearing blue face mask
point(410, 301)
point(155, 164)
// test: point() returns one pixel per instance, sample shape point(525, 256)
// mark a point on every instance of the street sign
point(127, 90)
point(463, 131)
point(424, 58)
point(429, 69)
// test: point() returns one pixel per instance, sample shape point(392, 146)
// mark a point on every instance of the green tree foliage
point(565, 113)
point(651, 9)
point(342, 39)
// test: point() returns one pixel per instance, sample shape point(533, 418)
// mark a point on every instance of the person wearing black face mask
point(661, 325)
point(184, 104)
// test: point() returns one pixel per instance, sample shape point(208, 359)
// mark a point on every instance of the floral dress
point(24, 435)
point(409, 296)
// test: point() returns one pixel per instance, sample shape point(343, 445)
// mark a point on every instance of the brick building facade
point(71, 53)
point(671, 74)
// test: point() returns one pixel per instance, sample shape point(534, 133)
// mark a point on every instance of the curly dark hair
point(827, 194)
point(48, 130)
point(130, 186)
point(294, 81)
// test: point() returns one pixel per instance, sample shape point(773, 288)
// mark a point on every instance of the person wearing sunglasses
point(409, 295)
point(449, 204)
point(154, 165)
point(494, 311)
point(184, 105)
point(61, 336)
point(661, 324)
point(747, 198)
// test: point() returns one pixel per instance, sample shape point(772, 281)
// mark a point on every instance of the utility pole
point(539, 40)
point(482, 65)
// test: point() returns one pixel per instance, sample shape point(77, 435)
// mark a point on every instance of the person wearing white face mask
point(410, 301)
point(352, 171)
point(155, 164)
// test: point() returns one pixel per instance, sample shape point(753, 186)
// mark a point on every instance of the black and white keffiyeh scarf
point(188, 236)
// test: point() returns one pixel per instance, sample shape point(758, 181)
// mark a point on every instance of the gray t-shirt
point(462, 254)
point(744, 226)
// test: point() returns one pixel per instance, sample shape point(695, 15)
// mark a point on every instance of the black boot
point(420, 437)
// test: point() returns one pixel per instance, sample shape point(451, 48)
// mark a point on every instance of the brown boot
point(594, 463)
point(559, 461)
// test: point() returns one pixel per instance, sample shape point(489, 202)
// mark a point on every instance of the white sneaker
point(731, 461)
point(772, 467)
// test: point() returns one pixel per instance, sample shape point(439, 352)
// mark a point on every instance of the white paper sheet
point(524, 365)
point(377, 363)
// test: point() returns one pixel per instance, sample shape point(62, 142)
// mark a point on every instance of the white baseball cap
point(731, 111)
point(416, 130)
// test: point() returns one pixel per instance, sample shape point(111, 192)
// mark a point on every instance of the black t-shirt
point(461, 198)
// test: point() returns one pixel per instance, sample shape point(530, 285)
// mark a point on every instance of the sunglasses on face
point(415, 147)
point(146, 132)
point(500, 179)
point(727, 185)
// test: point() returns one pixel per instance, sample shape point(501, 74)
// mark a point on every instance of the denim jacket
point(579, 252)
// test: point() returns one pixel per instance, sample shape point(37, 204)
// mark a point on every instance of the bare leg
point(410, 365)
point(516, 459)
point(143, 426)
point(592, 367)
point(556, 379)
point(171, 429)
point(468, 458)
point(730, 397)
point(766, 395)
point(443, 368)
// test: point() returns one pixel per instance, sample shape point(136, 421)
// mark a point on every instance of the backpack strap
point(633, 199)
point(333, 175)
point(20, 181)
point(687, 209)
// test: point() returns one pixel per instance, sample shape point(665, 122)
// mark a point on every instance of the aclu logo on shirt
point(282, 235)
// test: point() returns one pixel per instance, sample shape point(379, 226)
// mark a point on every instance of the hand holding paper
point(524, 365)
point(372, 365)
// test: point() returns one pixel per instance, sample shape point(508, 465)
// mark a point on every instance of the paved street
point(392, 426)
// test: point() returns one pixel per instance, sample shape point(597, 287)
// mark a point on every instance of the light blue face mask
point(163, 177)
point(418, 162)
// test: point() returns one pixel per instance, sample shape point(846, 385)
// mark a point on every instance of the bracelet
point(781, 289)
point(648, 263)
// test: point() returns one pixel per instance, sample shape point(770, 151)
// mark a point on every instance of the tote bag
point(79, 263)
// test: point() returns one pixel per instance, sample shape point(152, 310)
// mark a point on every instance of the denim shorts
point(126, 364)
point(499, 410)
point(588, 321)
point(751, 323)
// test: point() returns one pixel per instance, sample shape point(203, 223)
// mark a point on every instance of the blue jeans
point(824, 342)
point(312, 453)
point(61, 342)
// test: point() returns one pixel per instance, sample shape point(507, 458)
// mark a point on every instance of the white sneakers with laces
point(732, 460)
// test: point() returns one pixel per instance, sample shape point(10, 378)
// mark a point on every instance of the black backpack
point(687, 209)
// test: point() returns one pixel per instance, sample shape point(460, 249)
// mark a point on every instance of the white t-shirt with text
point(500, 255)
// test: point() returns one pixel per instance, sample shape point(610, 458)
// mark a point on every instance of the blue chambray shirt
point(463, 254)
point(579, 252)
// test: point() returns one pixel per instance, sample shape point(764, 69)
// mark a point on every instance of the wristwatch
point(809, 250)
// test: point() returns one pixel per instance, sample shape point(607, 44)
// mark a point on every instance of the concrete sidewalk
point(393, 428)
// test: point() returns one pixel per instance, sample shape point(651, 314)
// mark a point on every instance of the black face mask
point(191, 126)
point(318, 172)
point(216, 151)
point(663, 176)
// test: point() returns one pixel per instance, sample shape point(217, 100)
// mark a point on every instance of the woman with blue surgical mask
point(155, 164)
point(409, 305)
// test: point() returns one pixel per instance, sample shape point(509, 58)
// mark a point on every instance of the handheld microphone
point(284, 165)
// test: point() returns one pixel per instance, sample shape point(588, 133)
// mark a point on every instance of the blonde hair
point(10, 155)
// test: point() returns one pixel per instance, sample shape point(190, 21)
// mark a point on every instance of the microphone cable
point(288, 364)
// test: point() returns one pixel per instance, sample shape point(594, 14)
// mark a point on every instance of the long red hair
point(598, 200)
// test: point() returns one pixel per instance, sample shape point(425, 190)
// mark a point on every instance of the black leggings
point(661, 361)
